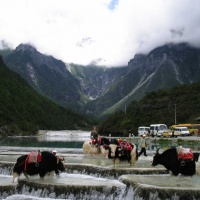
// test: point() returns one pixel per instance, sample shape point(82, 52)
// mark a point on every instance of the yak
point(88, 148)
point(95, 149)
point(172, 162)
point(45, 163)
point(122, 151)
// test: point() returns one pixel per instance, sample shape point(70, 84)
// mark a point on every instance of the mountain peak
point(162, 68)
point(24, 47)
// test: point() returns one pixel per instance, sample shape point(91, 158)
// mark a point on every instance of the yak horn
point(157, 151)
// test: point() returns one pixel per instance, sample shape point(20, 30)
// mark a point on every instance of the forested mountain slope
point(47, 75)
point(24, 111)
point(101, 91)
point(163, 68)
point(179, 104)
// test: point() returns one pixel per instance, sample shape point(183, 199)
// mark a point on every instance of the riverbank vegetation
point(179, 104)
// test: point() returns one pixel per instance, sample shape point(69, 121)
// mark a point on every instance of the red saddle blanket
point(186, 155)
point(125, 145)
point(93, 141)
point(34, 157)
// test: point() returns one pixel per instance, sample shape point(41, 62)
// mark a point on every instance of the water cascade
point(90, 177)
point(95, 182)
point(162, 187)
point(113, 172)
point(73, 187)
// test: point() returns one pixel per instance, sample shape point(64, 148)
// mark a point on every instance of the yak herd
point(175, 160)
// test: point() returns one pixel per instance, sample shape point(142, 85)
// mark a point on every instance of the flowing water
point(96, 176)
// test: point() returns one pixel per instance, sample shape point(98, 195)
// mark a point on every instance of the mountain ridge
point(102, 91)
point(164, 68)
point(47, 75)
point(24, 111)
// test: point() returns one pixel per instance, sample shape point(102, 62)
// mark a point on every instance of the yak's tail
point(196, 157)
point(136, 151)
point(14, 176)
point(134, 155)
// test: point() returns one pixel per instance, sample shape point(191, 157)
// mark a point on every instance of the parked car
point(170, 133)
point(183, 131)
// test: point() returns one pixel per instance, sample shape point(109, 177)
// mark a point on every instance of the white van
point(157, 129)
point(143, 130)
point(183, 131)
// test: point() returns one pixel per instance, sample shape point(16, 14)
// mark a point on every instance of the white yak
point(89, 148)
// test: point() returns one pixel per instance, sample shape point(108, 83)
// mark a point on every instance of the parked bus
point(193, 128)
point(157, 129)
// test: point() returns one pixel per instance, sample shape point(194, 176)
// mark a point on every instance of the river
point(69, 145)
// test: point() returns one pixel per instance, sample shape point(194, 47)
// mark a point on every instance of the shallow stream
point(90, 177)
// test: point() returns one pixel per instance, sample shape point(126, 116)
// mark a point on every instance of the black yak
point(45, 163)
point(172, 162)
point(122, 151)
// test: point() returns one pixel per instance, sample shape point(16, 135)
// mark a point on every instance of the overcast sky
point(106, 32)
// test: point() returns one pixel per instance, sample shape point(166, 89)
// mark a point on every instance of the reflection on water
point(75, 140)
point(53, 139)
point(36, 142)
point(66, 135)
point(163, 144)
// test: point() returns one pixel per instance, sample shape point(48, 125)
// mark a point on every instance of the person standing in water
point(143, 145)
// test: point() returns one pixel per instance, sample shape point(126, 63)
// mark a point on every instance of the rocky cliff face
point(163, 68)
point(96, 81)
point(182, 59)
point(47, 75)
point(99, 90)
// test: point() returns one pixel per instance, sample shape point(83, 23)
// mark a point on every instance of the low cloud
point(101, 32)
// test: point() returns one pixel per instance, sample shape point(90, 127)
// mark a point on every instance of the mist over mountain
point(100, 90)
point(163, 68)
